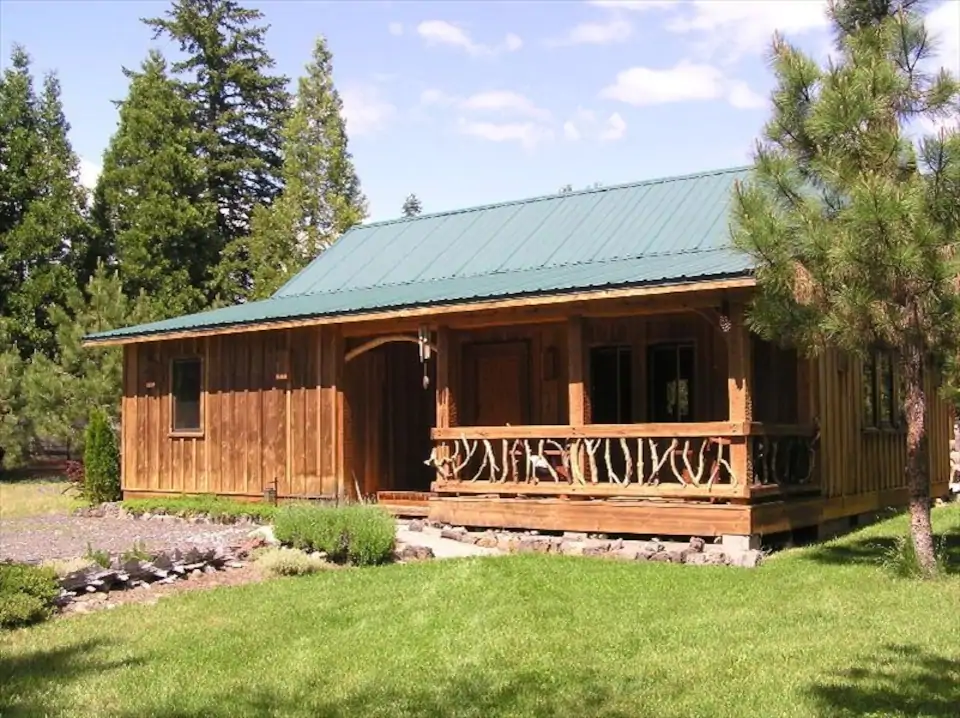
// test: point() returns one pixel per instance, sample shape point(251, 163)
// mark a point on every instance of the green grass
point(823, 631)
point(214, 506)
point(35, 497)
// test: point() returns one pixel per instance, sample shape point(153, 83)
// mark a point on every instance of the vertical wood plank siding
point(268, 415)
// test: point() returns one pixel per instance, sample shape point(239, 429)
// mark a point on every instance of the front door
point(497, 384)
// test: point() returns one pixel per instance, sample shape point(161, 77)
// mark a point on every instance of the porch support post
point(739, 393)
point(445, 391)
point(576, 373)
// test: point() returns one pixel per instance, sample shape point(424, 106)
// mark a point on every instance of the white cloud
point(89, 173)
point(433, 96)
point(505, 101)
point(584, 125)
point(646, 86)
point(596, 33)
point(365, 109)
point(634, 4)
point(615, 129)
point(685, 82)
point(743, 98)
point(441, 32)
point(527, 134)
point(395, 28)
point(733, 28)
point(944, 24)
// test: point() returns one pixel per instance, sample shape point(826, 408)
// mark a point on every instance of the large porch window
point(611, 385)
point(670, 376)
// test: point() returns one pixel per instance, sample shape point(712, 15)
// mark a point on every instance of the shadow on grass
point(30, 685)
point(528, 694)
point(881, 550)
point(901, 681)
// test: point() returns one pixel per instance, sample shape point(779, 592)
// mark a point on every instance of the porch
point(664, 417)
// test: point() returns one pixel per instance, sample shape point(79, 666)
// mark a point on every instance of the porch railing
point(707, 459)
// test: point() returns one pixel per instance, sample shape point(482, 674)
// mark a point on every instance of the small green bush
point(284, 561)
point(26, 594)
point(97, 556)
point(101, 460)
point(217, 508)
point(362, 535)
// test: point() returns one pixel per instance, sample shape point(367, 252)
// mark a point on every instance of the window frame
point(198, 432)
point(887, 416)
point(675, 347)
point(618, 350)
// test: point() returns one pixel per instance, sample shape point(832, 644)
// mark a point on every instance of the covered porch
point(663, 415)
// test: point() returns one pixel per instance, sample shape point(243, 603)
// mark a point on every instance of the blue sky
point(467, 103)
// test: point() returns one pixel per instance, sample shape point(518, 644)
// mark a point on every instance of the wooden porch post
point(740, 393)
point(576, 373)
point(446, 373)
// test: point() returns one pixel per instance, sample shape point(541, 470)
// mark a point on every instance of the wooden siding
point(859, 461)
point(263, 410)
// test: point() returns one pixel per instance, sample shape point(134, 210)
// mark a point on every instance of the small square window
point(187, 381)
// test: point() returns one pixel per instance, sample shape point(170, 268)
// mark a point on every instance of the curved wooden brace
point(380, 341)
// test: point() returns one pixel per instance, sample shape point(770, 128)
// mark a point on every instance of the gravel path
point(58, 536)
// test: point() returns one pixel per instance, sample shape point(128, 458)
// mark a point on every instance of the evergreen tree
point(853, 229)
point(43, 231)
point(101, 460)
point(412, 206)
point(239, 110)
point(321, 197)
point(15, 430)
point(58, 395)
point(149, 206)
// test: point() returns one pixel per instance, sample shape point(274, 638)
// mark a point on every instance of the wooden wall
point(857, 461)
point(270, 413)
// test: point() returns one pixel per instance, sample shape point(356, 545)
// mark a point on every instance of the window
point(882, 389)
point(611, 385)
point(186, 376)
point(670, 371)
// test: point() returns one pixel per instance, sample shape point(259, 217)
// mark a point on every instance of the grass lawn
point(822, 631)
point(35, 497)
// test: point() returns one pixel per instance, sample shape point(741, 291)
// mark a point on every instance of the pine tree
point(853, 229)
point(412, 206)
point(239, 110)
point(43, 231)
point(15, 429)
point(101, 460)
point(321, 197)
point(149, 205)
point(58, 394)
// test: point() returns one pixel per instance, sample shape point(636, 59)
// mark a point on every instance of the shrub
point(138, 552)
point(284, 561)
point(27, 594)
point(101, 460)
point(217, 508)
point(97, 556)
point(362, 535)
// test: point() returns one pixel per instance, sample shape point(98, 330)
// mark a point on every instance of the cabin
point(574, 362)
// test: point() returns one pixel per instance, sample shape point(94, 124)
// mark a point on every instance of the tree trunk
point(918, 478)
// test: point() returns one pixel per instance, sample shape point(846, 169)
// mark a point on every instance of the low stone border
point(162, 568)
point(696, 552)
point(116, 510)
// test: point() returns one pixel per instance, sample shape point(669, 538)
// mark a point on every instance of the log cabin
point(574, 362)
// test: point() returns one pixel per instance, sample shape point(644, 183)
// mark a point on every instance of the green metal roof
point(655, 232)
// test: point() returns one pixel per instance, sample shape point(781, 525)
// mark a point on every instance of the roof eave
point(743, 280)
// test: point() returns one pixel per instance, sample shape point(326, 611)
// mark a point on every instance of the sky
point(469, 103)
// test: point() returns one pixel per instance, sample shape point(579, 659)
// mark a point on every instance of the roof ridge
point(555, 195)
point(498, 272)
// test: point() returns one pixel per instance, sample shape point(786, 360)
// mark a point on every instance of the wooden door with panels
point(496, 384)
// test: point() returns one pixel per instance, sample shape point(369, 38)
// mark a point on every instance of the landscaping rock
point(264, 534)
point(697, 543)
point(487, 540)
point(571, 548)
point(454, 534)
point(407, 552)
point(416, 525)
point(601, 549)
point(626, 554)
point(747, 559)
